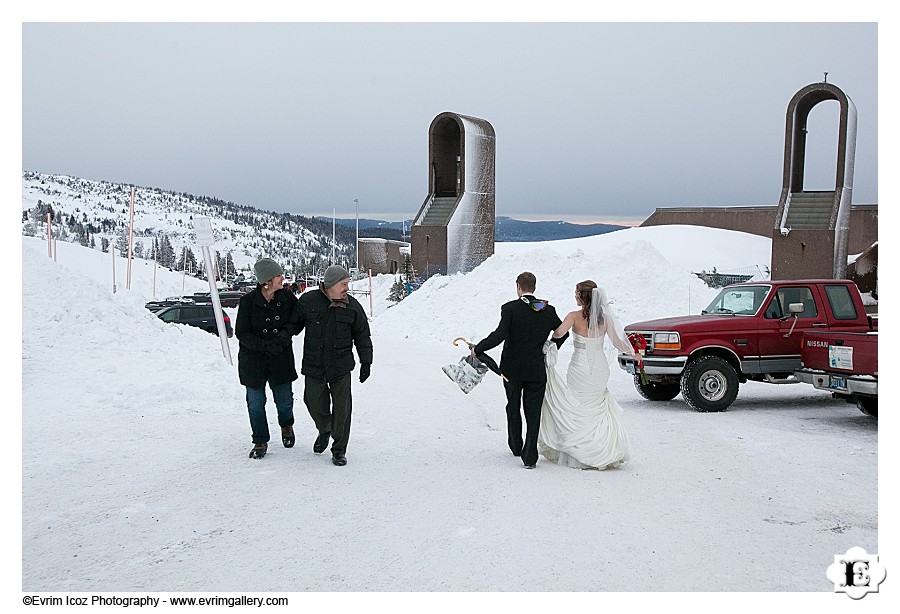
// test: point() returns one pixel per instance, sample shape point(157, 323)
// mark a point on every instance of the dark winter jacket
point(264, 333)
point(524, 327)
point(332, 328)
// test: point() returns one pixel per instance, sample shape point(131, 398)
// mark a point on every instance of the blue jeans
point(256, 406)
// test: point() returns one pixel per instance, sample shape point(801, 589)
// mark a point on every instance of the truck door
point(779, 335)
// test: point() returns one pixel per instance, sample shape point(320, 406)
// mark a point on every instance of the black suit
point(523, 331)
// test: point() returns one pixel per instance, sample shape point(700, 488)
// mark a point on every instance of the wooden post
point(130, 242)
point(154, 270)
point(183, 268)
point(112, 251)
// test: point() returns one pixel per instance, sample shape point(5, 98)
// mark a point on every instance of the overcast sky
point(594, 121)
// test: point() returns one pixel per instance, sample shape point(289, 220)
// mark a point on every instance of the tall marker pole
point(356, 200)
point(49, 238)
point(112, 252)
point(130, 242)
point(154, 271)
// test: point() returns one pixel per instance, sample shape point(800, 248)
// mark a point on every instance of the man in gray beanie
point(334, 323)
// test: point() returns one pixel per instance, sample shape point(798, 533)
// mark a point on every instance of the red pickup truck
point(846, 364)
point(750, 331)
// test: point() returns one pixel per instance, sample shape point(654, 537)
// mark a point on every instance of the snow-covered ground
point(135, 476)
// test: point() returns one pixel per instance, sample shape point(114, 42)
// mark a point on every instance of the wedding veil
point(602, 320)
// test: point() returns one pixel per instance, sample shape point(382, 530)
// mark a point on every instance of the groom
point(523, 329)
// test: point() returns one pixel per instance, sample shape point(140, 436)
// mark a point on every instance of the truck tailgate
point(850, 353)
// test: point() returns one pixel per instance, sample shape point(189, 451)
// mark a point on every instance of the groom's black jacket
point(522, 331)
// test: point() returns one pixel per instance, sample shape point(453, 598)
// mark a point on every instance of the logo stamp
point(856, 573)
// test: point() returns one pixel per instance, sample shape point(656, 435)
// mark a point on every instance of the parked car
point(155, 306)
point(230, 298)
point(227, 298)
point(201, 316)
point(750, 331)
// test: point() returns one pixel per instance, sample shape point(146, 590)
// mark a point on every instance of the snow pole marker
point(130, 242)
point(371, 315)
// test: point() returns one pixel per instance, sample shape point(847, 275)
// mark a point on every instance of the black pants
point(529, 396)
point(330, 405)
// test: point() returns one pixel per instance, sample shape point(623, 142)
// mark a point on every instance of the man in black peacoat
point(524, 326)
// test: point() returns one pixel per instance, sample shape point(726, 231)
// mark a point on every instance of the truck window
point(773, 311)
point(789, 296)
point(841, 302)
point(743, 300)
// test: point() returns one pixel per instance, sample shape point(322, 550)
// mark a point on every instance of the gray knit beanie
point(266, 269)
point(334, 274)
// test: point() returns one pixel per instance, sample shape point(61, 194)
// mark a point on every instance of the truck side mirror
point(795, 309)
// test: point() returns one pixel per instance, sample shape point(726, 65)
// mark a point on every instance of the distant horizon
point(580, 220)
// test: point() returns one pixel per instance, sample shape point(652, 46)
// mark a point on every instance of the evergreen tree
point(122, 245)
point(81, 235)
point(166, 254)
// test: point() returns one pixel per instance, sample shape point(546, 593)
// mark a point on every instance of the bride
point(581, 423)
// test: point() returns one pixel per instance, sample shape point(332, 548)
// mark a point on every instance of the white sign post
point(204, 232)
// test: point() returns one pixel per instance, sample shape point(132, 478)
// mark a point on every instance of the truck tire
point(868, 405)
point(709, 383)
point(656, 391)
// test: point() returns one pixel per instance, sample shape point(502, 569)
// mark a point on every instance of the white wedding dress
point(581, 423)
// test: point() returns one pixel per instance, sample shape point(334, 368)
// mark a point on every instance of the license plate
point(837, 383)
point(629, 368)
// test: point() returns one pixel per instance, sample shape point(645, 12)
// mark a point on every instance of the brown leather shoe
point(259, 450)
point(287, 436)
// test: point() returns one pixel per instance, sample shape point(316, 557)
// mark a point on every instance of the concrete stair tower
point(812, 229)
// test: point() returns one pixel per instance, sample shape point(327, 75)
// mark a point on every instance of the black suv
point(201, 316)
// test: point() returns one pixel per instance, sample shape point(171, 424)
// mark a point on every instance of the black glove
point(283, 338)
point(364, 372)
point(561, 340)
point(273, 347)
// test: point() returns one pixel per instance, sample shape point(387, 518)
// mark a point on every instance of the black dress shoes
point(339, 459)
point(321, 443)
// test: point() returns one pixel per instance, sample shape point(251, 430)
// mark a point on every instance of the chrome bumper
point(654, 365)
point(842, 384)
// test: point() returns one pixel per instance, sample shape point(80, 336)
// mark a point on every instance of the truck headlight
point(666, 341)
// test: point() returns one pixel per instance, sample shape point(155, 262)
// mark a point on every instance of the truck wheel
point(868, 405)
point(709, 383)
point(656, 391)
